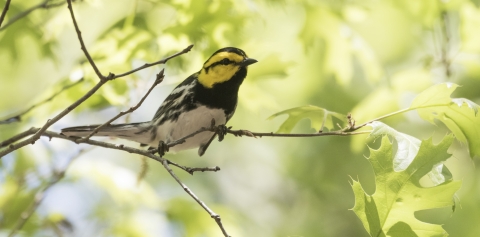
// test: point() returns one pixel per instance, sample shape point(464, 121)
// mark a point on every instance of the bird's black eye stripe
point(224, 61)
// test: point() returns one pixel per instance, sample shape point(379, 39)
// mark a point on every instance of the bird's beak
point(248, 61)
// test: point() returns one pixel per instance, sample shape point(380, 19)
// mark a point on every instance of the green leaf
point(390, 210)
point(407, 145)
point(433, 97)
point(459, 115)
point(319, 117)
point(407, 149)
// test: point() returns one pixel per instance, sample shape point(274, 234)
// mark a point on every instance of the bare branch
point(158, 80)
point(39, 196)
point(103, 80)
point(18, 137)
point(20, 15)
point(4, 12)
point(49, 123)
point(191, 170)
point(112, 76)
point(200, 202)
point(149, 154)
point(247, 133)
point(82, 45)
point(163, 61)
point(271, 134)
point(17, 118)
point(166, 163)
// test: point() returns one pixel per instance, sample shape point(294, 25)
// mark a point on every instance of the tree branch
point(82, 45)
point(200, 202)
point(103, 80)
point(163, 61)
point(4, 12)
point(158, 80)
point(18, 137)
point(191, 170)
point(17, 118)
point(36, 136)
point(112, 76)
point(20, 15)
point(164, 162)
point(217, 129)
point(147, 153)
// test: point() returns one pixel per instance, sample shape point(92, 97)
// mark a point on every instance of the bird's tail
point(131, 131)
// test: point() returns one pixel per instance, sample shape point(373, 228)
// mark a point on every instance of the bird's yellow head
point(223, 65)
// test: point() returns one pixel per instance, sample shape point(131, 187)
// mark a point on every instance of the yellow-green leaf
point(459, 115)
point(390, 211)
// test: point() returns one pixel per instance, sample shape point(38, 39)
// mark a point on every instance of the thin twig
point(17, 118)
point(4, 12)
point(112, 76)
point(49, 123)
point(149, 154)
point(191, 170)
point(200, 202)
point(20, 15)
point(271, 134)
point(247, 133)
point(158, 80)
point(145, 153)
point(103, 80)
point(82, 45)
point(39, 196)
point(163, 61)
point(18, 137)
point(183, 139)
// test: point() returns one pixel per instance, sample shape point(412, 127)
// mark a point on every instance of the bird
point(205, 97)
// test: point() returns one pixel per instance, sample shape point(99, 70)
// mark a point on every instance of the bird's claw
point(162, 148)
point(221, 131)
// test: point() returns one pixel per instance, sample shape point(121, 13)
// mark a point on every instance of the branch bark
point(25, 13)
point(158, 80)
point(103, 80)
point(4, 12)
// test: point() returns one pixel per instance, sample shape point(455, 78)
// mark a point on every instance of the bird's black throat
point(222, 95)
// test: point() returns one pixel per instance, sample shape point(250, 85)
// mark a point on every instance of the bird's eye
point(225, 61)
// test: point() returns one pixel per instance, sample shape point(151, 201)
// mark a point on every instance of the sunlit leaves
point(407, 150)
point(407, 145)
point(212, 21)
point(459, 115)
point(320, 118)
point(390, 210)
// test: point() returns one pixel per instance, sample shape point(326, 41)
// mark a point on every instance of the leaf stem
point(398, 112)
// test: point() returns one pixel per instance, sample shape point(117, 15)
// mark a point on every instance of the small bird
point(211, 93)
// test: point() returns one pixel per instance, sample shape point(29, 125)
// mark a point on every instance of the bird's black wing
point(172, 107)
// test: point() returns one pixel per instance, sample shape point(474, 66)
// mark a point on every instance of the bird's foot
point(221, 131)
point(162, 148)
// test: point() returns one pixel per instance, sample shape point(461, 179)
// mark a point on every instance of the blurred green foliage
point(369, 58)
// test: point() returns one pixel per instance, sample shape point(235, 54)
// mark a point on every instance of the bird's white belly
point(188, 123)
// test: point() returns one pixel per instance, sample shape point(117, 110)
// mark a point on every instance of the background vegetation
point(364, 57)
